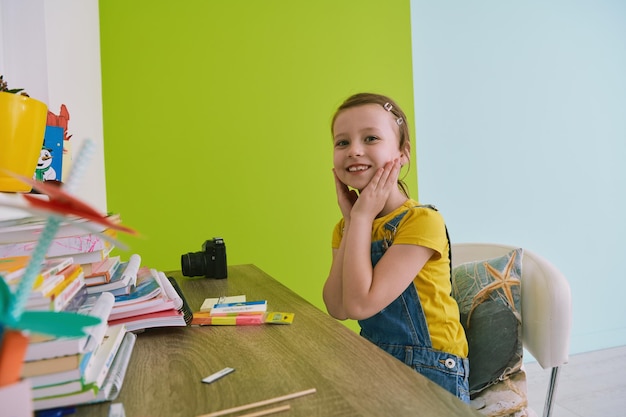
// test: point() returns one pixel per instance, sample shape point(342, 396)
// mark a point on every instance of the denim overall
point(401, 330)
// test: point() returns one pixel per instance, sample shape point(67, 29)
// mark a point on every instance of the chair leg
point(547, 409)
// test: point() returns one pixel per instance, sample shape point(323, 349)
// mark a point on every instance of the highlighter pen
point(204, 319)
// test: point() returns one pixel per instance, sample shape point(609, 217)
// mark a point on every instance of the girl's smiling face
point(365, 138)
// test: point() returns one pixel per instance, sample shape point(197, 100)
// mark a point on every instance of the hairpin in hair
point(388, 106)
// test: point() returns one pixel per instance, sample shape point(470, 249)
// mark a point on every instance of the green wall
point(216, 122)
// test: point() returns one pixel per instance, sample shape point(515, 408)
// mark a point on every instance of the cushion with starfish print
point(488, 294)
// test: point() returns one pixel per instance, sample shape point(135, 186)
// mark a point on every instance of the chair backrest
point(546, 301)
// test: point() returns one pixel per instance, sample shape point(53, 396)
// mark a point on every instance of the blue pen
point(56, 412)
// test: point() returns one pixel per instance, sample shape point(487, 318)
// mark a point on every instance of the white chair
point(546, 306)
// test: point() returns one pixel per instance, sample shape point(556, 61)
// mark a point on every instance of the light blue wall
point(521, 135)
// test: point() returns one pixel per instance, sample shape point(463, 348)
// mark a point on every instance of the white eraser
point(208, 303)
point(218, 375)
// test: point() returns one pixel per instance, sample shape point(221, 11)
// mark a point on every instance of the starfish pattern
point(503, 280)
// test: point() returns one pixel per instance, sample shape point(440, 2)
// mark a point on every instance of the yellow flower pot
point(22, 127)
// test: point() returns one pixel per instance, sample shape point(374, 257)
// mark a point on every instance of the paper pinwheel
point(60, 206)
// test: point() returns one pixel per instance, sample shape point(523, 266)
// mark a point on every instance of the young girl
point(391, 267)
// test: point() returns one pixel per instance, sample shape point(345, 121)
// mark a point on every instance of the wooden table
point(352, 376)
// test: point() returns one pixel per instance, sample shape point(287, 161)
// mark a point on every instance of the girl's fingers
point(373, 197)
point(340, 186)
point(345, 196)
point(388, 175)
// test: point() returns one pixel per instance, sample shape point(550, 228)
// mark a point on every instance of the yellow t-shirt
point(425, 227)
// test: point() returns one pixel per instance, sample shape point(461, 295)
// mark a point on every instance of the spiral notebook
point(188, 314)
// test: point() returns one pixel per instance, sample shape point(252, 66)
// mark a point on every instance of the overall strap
point(430, 206)
point(392, 225)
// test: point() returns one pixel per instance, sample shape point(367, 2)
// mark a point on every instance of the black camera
point(210, 262)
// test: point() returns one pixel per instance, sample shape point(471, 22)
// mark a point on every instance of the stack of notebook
point(150, 300)
point(79, 370)
point(84, 241)
point(79, 275)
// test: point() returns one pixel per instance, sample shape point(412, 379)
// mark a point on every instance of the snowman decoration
point(44, 170)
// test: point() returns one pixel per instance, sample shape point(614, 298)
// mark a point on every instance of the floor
point(591, 385)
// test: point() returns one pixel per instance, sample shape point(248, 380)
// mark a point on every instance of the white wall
point(52, 50)
point(521, 135)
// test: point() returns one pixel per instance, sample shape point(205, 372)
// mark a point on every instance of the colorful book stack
point(144, 298)
point(80, 275)
point(113, 275)
point(60, 285)
point(64, 371)
point(71, 371)
point(153, 303)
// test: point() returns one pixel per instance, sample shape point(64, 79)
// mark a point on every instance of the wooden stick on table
point(268, 411)
point(260, 403)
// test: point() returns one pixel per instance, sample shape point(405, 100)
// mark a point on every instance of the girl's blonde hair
point(388, 104)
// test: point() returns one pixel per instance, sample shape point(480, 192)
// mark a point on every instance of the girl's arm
point(333, 292)
point(355, 290)
point(369, 291)
point(333, 288)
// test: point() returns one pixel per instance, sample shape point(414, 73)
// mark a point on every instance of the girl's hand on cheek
point(345, 197)
point(374, 196)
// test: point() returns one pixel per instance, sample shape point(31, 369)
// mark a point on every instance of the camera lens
point(193, 264)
